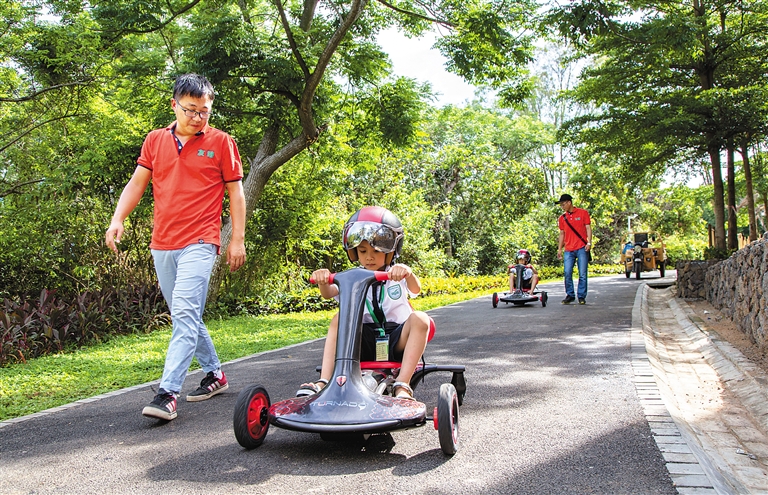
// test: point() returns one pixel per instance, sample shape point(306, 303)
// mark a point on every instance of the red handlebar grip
point(380, 276)
point(330, 279)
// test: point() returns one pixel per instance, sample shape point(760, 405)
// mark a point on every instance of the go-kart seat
point(378, 365)
point(423, 369)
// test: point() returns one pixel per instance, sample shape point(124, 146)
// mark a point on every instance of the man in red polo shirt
point(573, 246)
point(190, 165)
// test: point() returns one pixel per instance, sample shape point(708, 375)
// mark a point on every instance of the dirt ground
point(728, 331)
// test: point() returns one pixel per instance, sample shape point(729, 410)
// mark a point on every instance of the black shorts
point(527, 283)
point(368, 344)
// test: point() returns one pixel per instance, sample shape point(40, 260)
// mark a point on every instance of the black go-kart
point(358, 401)
point(520, 296)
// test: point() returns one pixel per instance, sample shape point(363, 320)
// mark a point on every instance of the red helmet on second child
point(524, 255)
point(377, 225)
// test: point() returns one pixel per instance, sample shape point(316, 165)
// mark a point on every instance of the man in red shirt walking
point(573, 246)
point(190, 165)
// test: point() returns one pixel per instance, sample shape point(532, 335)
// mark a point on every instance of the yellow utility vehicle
point(644, 252)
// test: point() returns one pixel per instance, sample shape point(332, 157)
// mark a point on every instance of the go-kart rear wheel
point(627, 273)
point(251, 420)
point(544, 298)
point(448, 419)
point(495, 299)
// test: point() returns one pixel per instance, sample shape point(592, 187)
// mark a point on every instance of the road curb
point(711, 390)
point(688, 466)
point(748, 382)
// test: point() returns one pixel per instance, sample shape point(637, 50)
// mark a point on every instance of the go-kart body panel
point(335, 412)
point(518, 297)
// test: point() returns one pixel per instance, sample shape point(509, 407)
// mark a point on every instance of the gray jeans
point(184, 275)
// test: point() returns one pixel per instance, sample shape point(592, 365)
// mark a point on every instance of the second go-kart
point(520, 295)
point(358, 400)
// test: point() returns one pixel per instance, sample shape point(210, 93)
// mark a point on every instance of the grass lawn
point(125, 361)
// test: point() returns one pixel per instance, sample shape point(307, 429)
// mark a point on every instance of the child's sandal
point(405, 391)
point(311, 388)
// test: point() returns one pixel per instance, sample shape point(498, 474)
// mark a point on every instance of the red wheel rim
point(257, 415)
point(455, 419)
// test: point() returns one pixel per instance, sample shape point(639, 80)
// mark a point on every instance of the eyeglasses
point(193, 113)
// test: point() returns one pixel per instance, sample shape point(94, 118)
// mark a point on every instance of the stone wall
point(738, 287)
point(691, 277)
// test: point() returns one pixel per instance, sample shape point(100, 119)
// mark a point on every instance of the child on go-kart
point(530, 275)
point(373, 236)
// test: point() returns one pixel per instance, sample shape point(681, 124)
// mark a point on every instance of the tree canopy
point(325, 128)
point(670, 83)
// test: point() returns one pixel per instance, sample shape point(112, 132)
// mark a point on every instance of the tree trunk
point(308, 14)
point(263, 165)
point(447, 234)
point(448, 187)
point(267, 160)
point(717, 197)
point(733, 230)
point(705, 69)
point(764, 219)
point(750, 191)
point(761, 187)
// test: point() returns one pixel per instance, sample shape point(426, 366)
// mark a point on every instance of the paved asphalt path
point(550, 408)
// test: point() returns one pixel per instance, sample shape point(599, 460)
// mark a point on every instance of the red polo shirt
point(579, 219)
point(188, 186)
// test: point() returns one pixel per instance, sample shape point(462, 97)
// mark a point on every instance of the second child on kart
point(373, 236)
point(530, 275)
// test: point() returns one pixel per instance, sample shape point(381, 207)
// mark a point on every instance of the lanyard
point(373, 311)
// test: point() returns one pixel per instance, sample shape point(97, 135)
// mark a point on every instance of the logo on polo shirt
point(395, 292)
point(208, 153)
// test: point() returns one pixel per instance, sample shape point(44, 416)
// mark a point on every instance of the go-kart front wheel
point(448, 418)
point(251, 420)
point(544, 298)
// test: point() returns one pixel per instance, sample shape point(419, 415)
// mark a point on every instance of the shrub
point(273, 302)
point(309, 299)
point(32, 328)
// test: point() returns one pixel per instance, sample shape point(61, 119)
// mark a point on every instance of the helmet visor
point(382, 238)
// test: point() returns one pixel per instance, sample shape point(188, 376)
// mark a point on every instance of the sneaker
point(162, 407)
point(582, 300)
point(209, 387)
point(568, 300)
